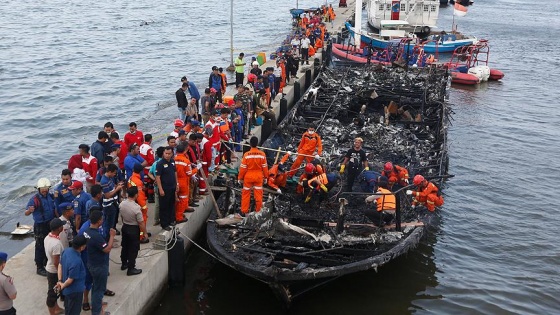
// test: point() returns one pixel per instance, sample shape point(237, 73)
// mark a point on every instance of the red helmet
point(388, 166)
point(418, 179)
point(179, 123)
point(309, 168)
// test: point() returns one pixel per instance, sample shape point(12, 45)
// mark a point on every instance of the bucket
point(261, 58)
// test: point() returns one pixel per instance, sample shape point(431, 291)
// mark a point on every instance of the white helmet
point(43, 183)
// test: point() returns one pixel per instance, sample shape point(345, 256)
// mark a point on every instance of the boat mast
point(231, 66)
point(358, 23)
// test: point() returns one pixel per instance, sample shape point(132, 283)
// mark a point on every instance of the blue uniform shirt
point(108, 184)
point(193, 91)
point(73, 267)
point(90, 204)
point(95, 246)
point(44, 207)
point(129, 163)
point(80, 205)
point(64, 195)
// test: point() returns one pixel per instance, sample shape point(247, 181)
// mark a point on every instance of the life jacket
point(322, 179)
point(386, 202)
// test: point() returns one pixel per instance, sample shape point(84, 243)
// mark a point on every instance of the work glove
point(199, 166)
point(290, 153)
point(342, 167)
point(265, 181)
point(317, 156)
point(279, 191)
point(324, 188)
point(307, 199)
point(367, 168)
point(409, 192)
point(240, 182)
point(371, 198)
point(406, 181)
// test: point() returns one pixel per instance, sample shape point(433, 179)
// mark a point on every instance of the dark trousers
point(11, 311)
point(99, 275)
point(378, 218)
point(239, 78)
point(52, 278)
point(73, 303)
point(219, 95)
point(130, 245)
point(305, 55)
point(270, 115)
point(41, 230)
point(225, 150)
point(351, 177)
point(167, 207)
point(109, 219)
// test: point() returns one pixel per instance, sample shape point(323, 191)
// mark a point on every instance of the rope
point(269, 149)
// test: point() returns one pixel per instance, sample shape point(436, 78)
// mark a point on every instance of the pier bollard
point(283, 109)
point(317, 64)
point(266, 130)
point(297, 90)
point(307, 78)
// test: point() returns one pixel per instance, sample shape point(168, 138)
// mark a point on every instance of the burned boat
point(295, 246)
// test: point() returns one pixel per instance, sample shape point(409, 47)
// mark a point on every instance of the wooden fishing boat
point(357, 55)
point(294, 246)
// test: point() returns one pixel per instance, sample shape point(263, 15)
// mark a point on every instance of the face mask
point(311, 132)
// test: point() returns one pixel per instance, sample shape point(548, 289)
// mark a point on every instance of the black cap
point(138, 168)
point(56, 223)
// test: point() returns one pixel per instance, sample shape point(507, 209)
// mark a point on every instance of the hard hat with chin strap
point(418, 179)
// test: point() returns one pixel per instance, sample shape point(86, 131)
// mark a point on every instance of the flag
point(459, 10)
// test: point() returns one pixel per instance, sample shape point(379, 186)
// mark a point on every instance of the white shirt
point(278, 71)
point(305, 42)
point(295, 42)
point(53, 247)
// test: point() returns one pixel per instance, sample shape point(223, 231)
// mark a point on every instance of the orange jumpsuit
point(276, 180)
point(252, 171)
point(397, 175)
point(184, 173)
point(331, 13)
point(428, 195)
point(224, 82)
point(318, 44)
point(307, 146)
point(135, 180)
point(305, 22)
point(318, 171)
point(283, 81)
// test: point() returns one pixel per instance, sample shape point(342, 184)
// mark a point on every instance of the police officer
point(61, 192)
point(355, 158)
point(80, 204)
point(8, 291)
point(42, 207)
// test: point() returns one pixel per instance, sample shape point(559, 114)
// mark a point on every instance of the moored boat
point(471, 61)
point(357, 55)
point(294, 246)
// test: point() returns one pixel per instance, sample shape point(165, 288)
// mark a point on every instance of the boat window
point(433, 8)
point(388, 7)
point(403, 7)
point(381, 6)
point(426, 8)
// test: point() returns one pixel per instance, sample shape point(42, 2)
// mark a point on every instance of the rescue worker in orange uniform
point(396, 175)
point(304, 21)
point(311, 170)
point(136, 181)
point(184, 173)
point(253, 172)
point(277, 174)
point(324, 182)
point(427, 194)
point(310, 142)
point(386, 204)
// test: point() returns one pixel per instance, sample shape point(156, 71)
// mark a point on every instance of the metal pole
point(231, 66)
point(358, 23)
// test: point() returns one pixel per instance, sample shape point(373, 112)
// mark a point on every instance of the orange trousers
point(183, 203)
point(252, 181)
point(431, 202)
point(298, 161)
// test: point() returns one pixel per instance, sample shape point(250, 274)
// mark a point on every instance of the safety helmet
point(309, 168)
point(418, 179)
point(179, 122)
point(43, 183)
point(388, 166)
point(281, 168)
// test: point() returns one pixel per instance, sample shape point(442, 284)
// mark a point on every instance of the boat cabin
point(422, 15)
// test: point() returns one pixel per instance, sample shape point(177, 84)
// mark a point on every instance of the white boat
point(421, 15)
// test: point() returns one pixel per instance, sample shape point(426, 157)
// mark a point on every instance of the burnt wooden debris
point(295, 246)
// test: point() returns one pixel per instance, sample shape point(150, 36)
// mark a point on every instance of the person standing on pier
point(133, 226)
point(53, 250)
point(8, 291)
point(215, 82)
point(110, 196)
point(167, 183)
point(355, 158)
point(192, 89)
point(141, 199)
point(80, 203)
point(305, 42)
point(239, 69)
point(72, 276)
point(184, 173)
point(133, 136)
point(253, 172)
point(182, 101)
point(42, 207)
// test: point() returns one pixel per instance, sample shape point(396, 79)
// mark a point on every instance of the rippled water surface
point(67, 67)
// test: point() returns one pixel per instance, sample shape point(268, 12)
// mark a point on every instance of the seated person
point(264, 110)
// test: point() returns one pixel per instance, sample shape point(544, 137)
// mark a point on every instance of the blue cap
point(115, 145)
point(195, 122)
point(65, 206)
point(331, 177)
point(3, 256)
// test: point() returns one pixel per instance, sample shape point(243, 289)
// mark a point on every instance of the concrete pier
point(140, 294)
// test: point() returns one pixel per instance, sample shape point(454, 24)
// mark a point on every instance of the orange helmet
point(418, 179)
point(309, 168)
point(388, 166)
point(179, 123)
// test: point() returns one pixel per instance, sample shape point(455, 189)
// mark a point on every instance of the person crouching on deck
point(277, 176)
point(324, 182)
point(385, 201)
point(427, 194)
point(253, 172)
